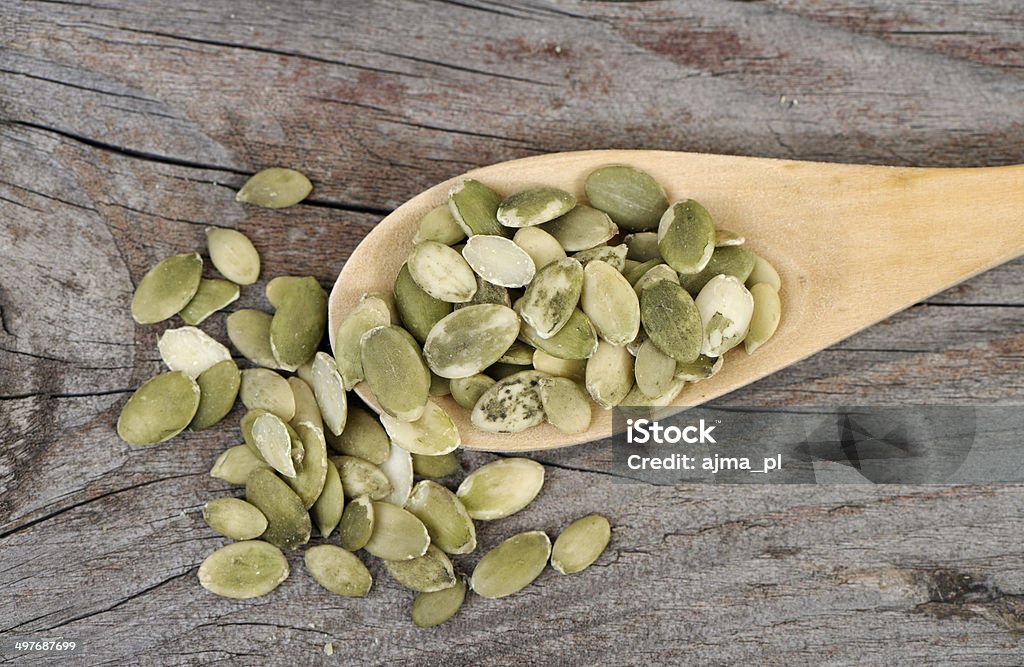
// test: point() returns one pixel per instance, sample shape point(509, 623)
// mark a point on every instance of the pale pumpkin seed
point(264, 389)
point(512, 565)
point(764, 272)
point(233, 254)
point(277, 287)
point(581, 228)
point(448, 523)
point(276, 187)
point(643, 246)
point(610, 302)
point(218, 388)
point(550, 299)
point(245, 425)
point(330, 392)
point(565, 405)
point(765, 318)
point(542, 247)
point(534, 206)
point(397, 534)
point(356, 525)
point(577, 339)
point(190, 350)
point(470, 339)
point(433, 434)
point(518, 354)
point(724, 237)
point(274, 443)
point(630, 196)
point(634, 274)
point(363, 437)
point(398, 469)
point(686, 236)
point(338, 571)
point(419, 311)
point(311, 476)
point(288, 524)
point(671, 320)
point(653, 275)
point(498, 260)
point(501, 488)
point(467, 391)
point(510, 405)
point(736, 261)
point(443, 465)
point(701, 369)
point(425, 574)
point(475, 208)
point(369, 313)
point(609, 374)
point(654, 369)
point(360, 477)
point(442, 272)
point(388, 298)
point(298, 324)
point(614, 256)
point(167, 288)
point(211, 296)
point(234, 518)
point(235, 463)
point(725, 308)
point(395, 372)
point(439, 225)
point(306, 408)
point(431, 609)
point(580, 544)
point(249, 332)
point(159, 410)
point(574, 369)
point(243, 570)
point(327, 510)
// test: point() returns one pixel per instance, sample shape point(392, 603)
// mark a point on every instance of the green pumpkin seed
point(654, 369)
point(277, 187)
point(475, 208)
point(330, 392)
point(470, 339)
point(263, 389)
point(518, 354)
point(550, 299)
point(610, 302)
point(643, 246)
point(634, 274)
point(327, 510)
point(218, 388)
point(388, 298)
point(288, 524)
point(737, 261)
point(298, 324)
point(510, 405)
point(487, 293)
point(565, 405)
point(159, 410)
point(467, 391)
point(501, 488)
point(167, 288)
point(243, 570)
point(306, 408)
point(724, 238)
point(581, 228)
point(574, 369)
point(278, 287)
point(433, 434)
point(534, 207)
point(190, 350)
point(397, 534)
point(363, 437)
point(701, 369)
point(233, 254)
point(577, 339)
point(245, 425)
point(512, 565)
point(501, 371)
point(764, 272)
point(671, 320)
point(542, 247)
point(371, 312)
point(653, 275)
point(447, 521)
point(442, 272)
point(725, 308)
point(338, 571)
point(274, 443)
point(235, 463)
point(395, 372)
point(628, 265)
point(630, 197)
point(362, 478)
point(249, 332)
point(439, 386)
point(637, 398)
point(580, 544)
point(431, 609)
point(498, 260)
point(398, 469)
point(234, 518)
point(615, 256)
point(439, 225)
point(765, 318)
point(356, 524)
point(211, 296)
point(435, 467)
point(686, 236)
point(425, 574)
point(310, 478)
point(609, 374)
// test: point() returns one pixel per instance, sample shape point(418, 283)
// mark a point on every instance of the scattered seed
point(397, 534)
point(512, 565)
point(577, 339)
point(243, 570)
point(550, 299)
point(431, 609)
point(445, 517)
point(736, 261)
point(500, 488)
point(487, 293)
point(580, 544)
point(398, 469)
point(235, 463)
point(724, 237)
point(363, 437)
point(574, 369)
point(630, 197)
point(653, 275)
point(467, 391)
point(167, 288)
point(433, 434)
point(428, 573)
point(278, 287)
point(218, 388)
point(436, 467)
point(211, 296)
point(360, 477)
point(395, 372)
point(277, 187)
point(249, 332)
point(288, 524)
point(643, 246)
point(234, 518)
point(330, 392)
point(274, 443)
point(765, 318)
point(369, 313)
point(159, 410)
point(634, 274)
point(701, 369)
point(298, 324)
point(190, 350)
point(311, 476)
point(338, 570)
point(356, 524)
point(764, 272)
point(614, 256)
point(306, 408)
point(418, 310)
point(654, 369)
point(233, 254)
point(327, 510)
point(264, 389)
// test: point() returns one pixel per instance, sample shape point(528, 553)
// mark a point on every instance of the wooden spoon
point(853, 245)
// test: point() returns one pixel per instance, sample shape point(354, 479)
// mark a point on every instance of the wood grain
point(125, 129)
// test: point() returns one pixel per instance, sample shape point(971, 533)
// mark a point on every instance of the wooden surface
point(125, 129)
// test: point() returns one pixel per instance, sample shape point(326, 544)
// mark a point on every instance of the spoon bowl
point(853, 244)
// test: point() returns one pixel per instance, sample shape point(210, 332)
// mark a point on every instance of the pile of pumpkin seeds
point(310, 461)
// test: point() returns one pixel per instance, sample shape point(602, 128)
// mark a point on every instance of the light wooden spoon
point(853, 245)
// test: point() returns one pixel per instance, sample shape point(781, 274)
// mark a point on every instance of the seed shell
point(500, 488)
point(671, 320)
point(211, 296)
point(395, 372)
point(338, 570)
point(167, 288)
point(448, 523)
point(581, 228)
point(233, 254)
point(218, 388)
point(234, 518)
point(288, 524)
point(359, 478)
point(510, 405)
point(276, 187)
point(249, 332)
point(442, 272)
point(630, 197)
point(475, 208)
point(609, 374)
point(243, 570)
point(470, 339)
point(190, 350)
point(356, 524)
point(534, 207)
point(235, 463)
point(298, 324)
point(439, 225)
point(686, 236)
point(550, 299)
point(610, 302)
point(542, 247)
point(428, 573)
point(433, 434)
point(419, 311)
point(580, 544)
point(264, 389)
point(159, 410)
point(565, 405)
point(327, 510)
point(765, 318)
point(512, 565)
point(498, 260)
point(363, 437)
point(397, 534)
point(431, 609)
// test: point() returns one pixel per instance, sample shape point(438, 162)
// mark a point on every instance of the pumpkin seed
point(433, 434)
point(534, 207)
point(765, 318)
point(274, 443)
point(363, 437)
point(550, 299)
point(725, 308)
point(326, 511)
point(371, 312)
point(338, 571)
point(574, 369)
point(425, 574)
point(565, 405)
point(211, 296)
point(501, 371)
point(510, 405)
point(298, 324)
point(443, 465)
point(487, 293)
point(249, 332)
point(580, 544)
point(630, 197)
point(724, 237)
point(356, 524)
point(610, 302)
point(518, 354)
point(245, 425)
point(633, 346)
point(470, 339)
point(167, 288)
point(467, 391)
point(512, 565)
point(397, 534)
point(388, 298)
point(439, 225)
point(306, 408)
point(395, 372)
point(653, 275)
point(581, 228)
point(218, 388)
point(701, 369)
point(764, 272)
point(501, 488)
point(654, 369)
point(643, 246)
point(475, 208)
point(419, 311)
point(398, 470)
point(310, 478)
point(360, 477)
point(277, 187)
point(234, 518)
point(288, 523)
point(737, 261)
point(671, 320)
point(629, 264)
point(235, 463)
point(577, 339)
point(243, 570)
point(330, 392)
point(263, 389)
point(159, 410)
point(542, 247)
point(442, 272)
point(233, 254)
point(498, 260)
point(439, 386)
point(190, 350)
point(430, 609)
point(448, 523)
point(637, 398)
point(634, 274)
point(615, 256)
point(278, 287)
point(686, 236)
point(609, 374)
